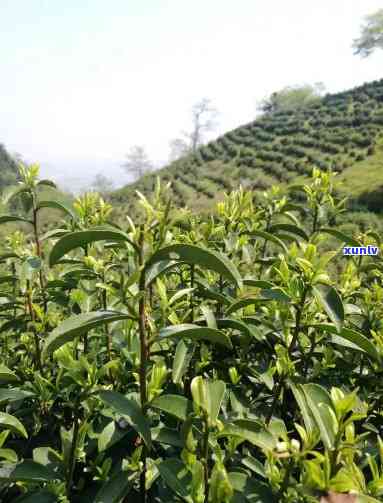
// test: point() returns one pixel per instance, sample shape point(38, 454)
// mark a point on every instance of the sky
point(82, 81)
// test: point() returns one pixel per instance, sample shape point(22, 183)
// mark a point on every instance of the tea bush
point(183, 358)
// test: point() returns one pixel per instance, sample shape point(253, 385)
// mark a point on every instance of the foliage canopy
point(229, 359)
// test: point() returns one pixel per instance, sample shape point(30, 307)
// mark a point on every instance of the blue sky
point(83, 80)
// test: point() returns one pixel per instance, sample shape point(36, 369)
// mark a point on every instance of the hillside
point(8, 169)
point(343, 131)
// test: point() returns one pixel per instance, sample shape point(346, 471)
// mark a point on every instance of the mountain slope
point(343, 131)
point(8, 169)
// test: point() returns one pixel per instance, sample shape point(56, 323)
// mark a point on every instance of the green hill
point(343, 131)
point(8, 169)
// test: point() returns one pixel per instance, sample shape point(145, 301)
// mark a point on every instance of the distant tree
point(371, 37)
point(102, 184)
point(137, 162)
point(203, 121)
point(291, 98)
point(204, 116)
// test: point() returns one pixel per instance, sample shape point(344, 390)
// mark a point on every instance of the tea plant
point(184, 358)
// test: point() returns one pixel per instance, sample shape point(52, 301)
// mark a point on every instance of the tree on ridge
point(371, 36)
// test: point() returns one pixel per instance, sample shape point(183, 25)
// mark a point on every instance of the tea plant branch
point(298, 316)
point(38, 246)
point(191, 294)
point(309, 356)
point(264, 246)
point(315, 219)
point(143, 355)
point(33, 320)
point(205, 456)
point(104, 299)
point(290, 350)
point(72, 455)
point(14, 283)
point(286, 478)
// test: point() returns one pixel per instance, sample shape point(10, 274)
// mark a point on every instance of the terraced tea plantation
point(340, 132)
point(230, 359)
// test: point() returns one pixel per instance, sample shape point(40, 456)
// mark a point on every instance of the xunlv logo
point(360, 250)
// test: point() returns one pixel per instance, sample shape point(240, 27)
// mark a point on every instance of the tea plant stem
point(35, 336)
point(143, 359)
point(264, 246)
point(85, 343)
point(315, 220)
point(286, 478)
point(35, 231)
point(206, 459)
point(298, 316)
point(14, 287)
point(311, 352)
point(38, 248)
point(277, 392)
point(72, 455)
point(333, 454)
point(191, 294)
point(107, 331)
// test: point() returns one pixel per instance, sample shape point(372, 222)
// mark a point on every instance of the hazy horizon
point(82, 82)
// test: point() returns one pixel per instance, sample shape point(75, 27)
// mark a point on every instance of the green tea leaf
point(359, 341)
point(208, 394)
point(167, 436)
point(241, 326)
point(247, 301)
point(7, 375)
point(176, 405)
point(130, 410)
point(304, 407)
point(182, 357)
point(320, 404)
point(329, 299)
point(175, 474)
point(293, 229)
point(250, 489)
point(110, 435)
point(115, 489)
point(13, 424)
point(6, 219)
point(195, 332)
point(13, 395)
point(251, 431)
point(276, 294)
point(28, 471)
point(340, 236)
point(159, 268)
point(196, 255)
point(257, 283)
point(78, 239)
point(78, 325)
point(268, 237)
point(58, 205)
